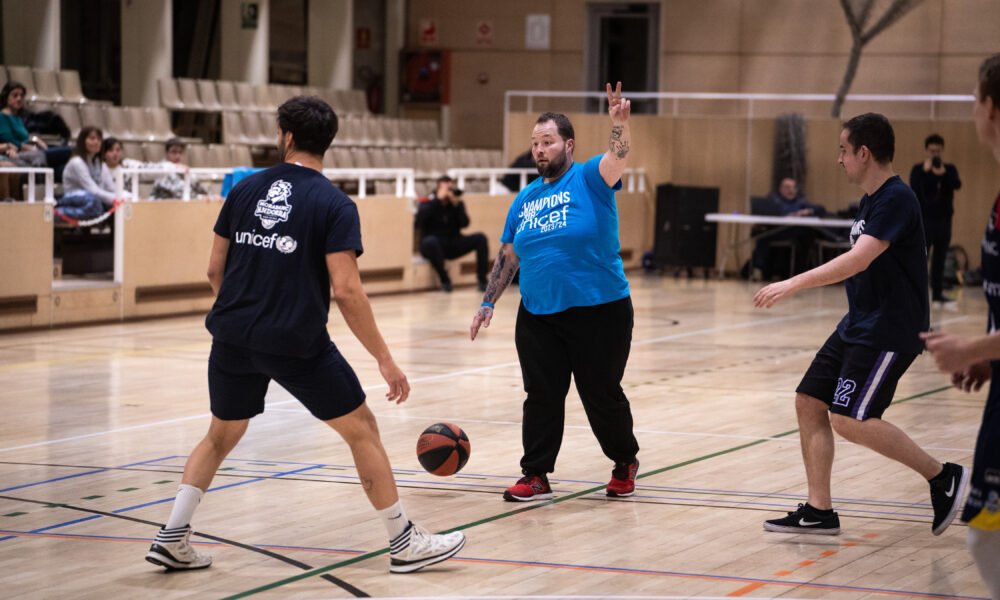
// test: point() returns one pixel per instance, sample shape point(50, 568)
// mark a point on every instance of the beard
point(554, 167)
point(282, 149)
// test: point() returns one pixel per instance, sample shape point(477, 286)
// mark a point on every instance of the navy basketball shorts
point(238, 379)
point(854, 380)
point(982, 509)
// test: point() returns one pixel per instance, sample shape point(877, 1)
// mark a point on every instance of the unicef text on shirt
point(285, 244)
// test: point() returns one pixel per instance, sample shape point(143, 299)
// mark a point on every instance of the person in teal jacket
point(32, 150)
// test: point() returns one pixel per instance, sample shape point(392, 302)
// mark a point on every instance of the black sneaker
point(805, 520)
point(947, 492)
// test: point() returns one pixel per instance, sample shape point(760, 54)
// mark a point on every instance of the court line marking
point(576, 567)
point(425, 379)
point(218, 540)
point(534, 506)
point(97, 470)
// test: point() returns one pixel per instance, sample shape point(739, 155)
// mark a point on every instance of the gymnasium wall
point(726, 152)
point(780, 46)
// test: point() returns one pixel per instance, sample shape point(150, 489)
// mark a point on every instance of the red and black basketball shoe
point(622, 482)
point(528, 488)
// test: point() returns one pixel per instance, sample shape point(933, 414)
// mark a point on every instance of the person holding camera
point(934, 182)
point(440, 220)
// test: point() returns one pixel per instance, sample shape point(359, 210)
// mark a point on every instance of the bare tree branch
point(857, 18)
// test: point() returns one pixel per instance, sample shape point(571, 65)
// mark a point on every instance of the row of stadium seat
point(45, 85)
point(209, 95)
point(196, 155)
point(258, 128)
point(429, 162)
point(127, 123)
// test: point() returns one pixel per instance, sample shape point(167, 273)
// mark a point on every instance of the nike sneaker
point(947, 492)
point(805, 520)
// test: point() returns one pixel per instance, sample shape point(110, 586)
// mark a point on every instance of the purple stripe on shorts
point(857, 411)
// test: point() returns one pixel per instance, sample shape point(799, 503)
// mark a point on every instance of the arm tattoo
point(619, 147)
point(503, 273)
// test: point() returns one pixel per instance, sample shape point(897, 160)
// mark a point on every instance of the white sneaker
point(171, 549)
point(417, 548)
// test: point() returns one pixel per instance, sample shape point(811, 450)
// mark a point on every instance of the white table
point(737, 219)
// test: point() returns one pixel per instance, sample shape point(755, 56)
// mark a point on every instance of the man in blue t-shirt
point(283, 236)
point(854, 375)
point(973, 362)
point(575, 317)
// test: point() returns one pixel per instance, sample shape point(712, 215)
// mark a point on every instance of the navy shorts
point(238, 380)
point(854, 380)
point(982, 509)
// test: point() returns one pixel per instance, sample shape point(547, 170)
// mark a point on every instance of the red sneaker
point(623, 480)
point(528, 488)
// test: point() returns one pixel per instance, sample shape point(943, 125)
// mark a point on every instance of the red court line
point(749, 587)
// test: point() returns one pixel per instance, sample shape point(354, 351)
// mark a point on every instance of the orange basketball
point(443, 449)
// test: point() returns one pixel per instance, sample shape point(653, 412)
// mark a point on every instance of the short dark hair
point(563, 125)
point(9, 87)
point(934, 139)
point(109, 143)
point(175, 143)
point(989, 80)
point(311, 121)
point(80, 149)
point(874, 131)
point(444, 179)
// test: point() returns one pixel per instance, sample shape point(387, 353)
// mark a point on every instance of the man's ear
point(570, 144)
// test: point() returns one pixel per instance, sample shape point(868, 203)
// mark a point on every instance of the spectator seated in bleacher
point(83, 195)
point(84, 173)
point(441, 217)
point(113, 155)
point(789, 203)
point(172, 185)
point(32, 151)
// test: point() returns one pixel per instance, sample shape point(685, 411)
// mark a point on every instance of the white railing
point(751, 100)
point(404, 178)
point(633, 180)
point(50, 196)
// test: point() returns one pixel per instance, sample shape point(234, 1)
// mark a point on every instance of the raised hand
point(619, 109)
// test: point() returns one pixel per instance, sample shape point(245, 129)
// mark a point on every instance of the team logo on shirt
point(275, 208)
point(856, 231)
point(545, 214)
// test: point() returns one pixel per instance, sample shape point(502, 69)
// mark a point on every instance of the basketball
point(443, 449)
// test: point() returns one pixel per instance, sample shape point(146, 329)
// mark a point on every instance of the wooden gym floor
point(97, 422)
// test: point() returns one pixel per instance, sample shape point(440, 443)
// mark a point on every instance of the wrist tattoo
point(618, 146)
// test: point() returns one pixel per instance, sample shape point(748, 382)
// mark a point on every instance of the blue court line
point(161, 501)
point(602, 568)
point(687, 499)
point(557, 480)
point(64, 477)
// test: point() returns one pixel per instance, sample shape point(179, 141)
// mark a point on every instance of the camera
point(936, 162)
point(457, 192)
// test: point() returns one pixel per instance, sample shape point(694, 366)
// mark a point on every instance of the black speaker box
point(683, 237)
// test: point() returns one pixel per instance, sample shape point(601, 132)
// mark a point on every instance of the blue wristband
point(490, 304)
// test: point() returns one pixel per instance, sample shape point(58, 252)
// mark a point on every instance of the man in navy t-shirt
point(283, 237)
point(973, 362)
point(575, 318)
point(854, 375)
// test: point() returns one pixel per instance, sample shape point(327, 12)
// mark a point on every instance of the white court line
point(758, 323)
point(732, 436)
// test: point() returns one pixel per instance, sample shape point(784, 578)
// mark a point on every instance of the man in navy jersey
point(283, 237)
point(575, 317)
point(972, 362)
point(854, 375)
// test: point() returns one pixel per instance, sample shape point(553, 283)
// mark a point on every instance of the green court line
point(14, 514)
point(94, 497)
point(536, 506)
point(128, 489)
point(164, 481)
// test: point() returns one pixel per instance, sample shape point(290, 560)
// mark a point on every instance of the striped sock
point(402, 541)
point(188, 498)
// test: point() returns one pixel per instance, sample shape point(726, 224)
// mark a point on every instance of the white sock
point(188, 498)
point(394, 519)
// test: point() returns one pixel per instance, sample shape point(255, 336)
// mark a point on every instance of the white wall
point(331, 43)
point(244, 51)
point(31, 33)
point(147, 49)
